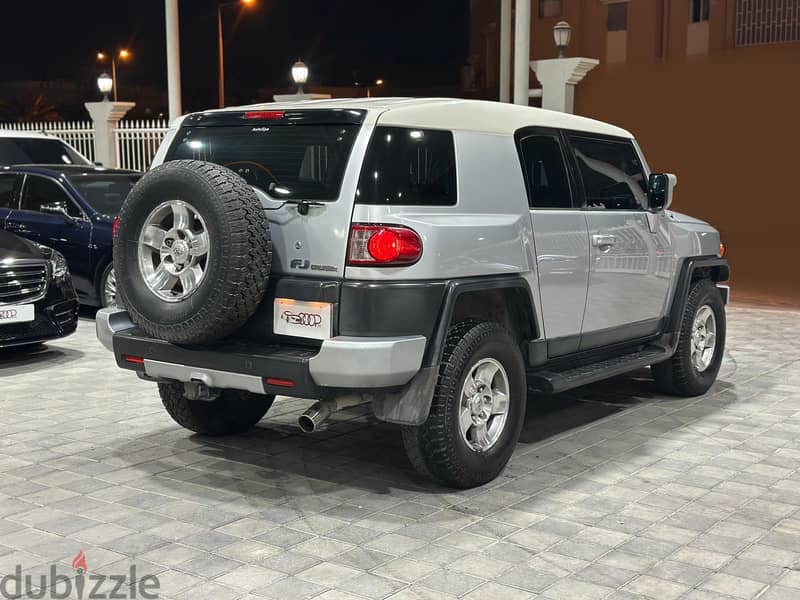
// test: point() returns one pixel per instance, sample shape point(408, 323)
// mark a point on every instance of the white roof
point(452, 113)
point(11, 133)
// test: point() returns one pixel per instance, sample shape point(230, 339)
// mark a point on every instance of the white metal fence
point(137, 142)
point(79, 134)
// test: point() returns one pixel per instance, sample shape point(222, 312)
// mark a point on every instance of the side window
point(613, 177)
point(545, 172)
point(9, 190)
point(40, 190)
point(409, 167)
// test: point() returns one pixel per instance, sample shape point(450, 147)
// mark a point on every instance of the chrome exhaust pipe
point(311, 420)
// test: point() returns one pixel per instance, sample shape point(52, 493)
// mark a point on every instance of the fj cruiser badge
point(299, 263)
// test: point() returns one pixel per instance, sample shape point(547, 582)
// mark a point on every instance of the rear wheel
point(692, 370)
point(233, 412)
point(478, 408)
point(107, 289)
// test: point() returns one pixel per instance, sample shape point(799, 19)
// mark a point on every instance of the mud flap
point(408, 405)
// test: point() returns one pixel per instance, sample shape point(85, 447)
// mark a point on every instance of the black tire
point(101, 287)
point(678, 375)
point(437, 448)
point(233, 412)
point(239, 253)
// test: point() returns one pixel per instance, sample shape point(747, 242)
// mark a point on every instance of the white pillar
point(505, 50)
point(522, 52)
point(105, 116)
point(558, 77)
point(173, 60)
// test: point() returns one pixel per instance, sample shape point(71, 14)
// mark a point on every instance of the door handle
point(604, 242)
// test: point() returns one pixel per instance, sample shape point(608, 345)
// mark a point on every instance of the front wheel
point(233, 412)
point(692, 370)
point(478, 408)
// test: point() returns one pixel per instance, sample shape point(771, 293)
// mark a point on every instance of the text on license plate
point(299, 318)
point(21, 313)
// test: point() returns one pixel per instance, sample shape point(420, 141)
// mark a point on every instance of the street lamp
point(123, 55)
point(104, 84)
point(221, 43)
point(562, 33)
point(300, 74)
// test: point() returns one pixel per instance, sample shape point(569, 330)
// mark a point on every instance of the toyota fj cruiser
point(434, 258)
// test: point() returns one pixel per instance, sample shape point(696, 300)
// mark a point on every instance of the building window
point(550, 8)
point(698, 10)
point(767, 22)
point(618, 16)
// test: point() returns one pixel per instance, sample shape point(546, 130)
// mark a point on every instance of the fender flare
point(411, 404)
point(718, 270)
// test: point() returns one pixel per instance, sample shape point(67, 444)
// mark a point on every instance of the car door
point(631, 259)
point(70, 234)
point(560, 237)
point(10, 184)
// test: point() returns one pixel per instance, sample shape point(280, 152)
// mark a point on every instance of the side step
point(552, 382)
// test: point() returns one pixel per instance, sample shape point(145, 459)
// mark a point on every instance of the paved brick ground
point(613, 492)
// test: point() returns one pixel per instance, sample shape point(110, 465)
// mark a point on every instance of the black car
point(37, 300)
point(71, 209)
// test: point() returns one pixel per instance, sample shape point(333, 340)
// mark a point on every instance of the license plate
point(302, 319)
point(16, 314)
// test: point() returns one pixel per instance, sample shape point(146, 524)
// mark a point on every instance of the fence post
point(105, 116)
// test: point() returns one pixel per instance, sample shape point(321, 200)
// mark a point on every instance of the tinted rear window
point(410, 167)
point(285, 161)
point(104, 193)
point(38, 151)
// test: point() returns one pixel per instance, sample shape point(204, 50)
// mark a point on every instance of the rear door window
point(545, 171)
point(409, 167)
point(285, 161)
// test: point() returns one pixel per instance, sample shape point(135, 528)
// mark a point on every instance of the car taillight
point(383, 246)
point(114, 228)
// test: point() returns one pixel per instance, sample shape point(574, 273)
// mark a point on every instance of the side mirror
point(660, 188)
point(57, 208)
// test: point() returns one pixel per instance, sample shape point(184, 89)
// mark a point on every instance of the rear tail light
point(383, 246)
point(114, 228)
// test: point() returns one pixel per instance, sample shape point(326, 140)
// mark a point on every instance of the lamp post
point(221, 44)
point(562, 33)
point(123, 55)
point(300, 74)
point(105, 84)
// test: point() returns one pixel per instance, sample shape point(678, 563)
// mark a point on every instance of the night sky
point(411, 43)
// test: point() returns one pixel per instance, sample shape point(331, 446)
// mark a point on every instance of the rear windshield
point(38, 151)
point(409, 167)
point(104, 193)
point(285, 161)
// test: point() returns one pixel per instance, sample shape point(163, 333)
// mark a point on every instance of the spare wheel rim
point(174, 251)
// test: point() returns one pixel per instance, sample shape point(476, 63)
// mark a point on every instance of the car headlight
point(58, 264)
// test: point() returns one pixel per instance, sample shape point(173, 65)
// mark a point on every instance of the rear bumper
point(314, 372)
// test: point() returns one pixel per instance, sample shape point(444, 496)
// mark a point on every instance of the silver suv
point(436, 259)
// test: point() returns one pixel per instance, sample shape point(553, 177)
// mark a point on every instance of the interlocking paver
point(614, 491)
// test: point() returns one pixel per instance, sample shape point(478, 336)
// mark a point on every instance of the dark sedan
point(71, 209)
point(37, 299)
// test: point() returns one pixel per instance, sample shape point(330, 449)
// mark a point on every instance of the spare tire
point(192, 252)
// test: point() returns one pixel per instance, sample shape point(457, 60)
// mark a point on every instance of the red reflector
point(136, 360)
point(383, 245)
point(287, 383)
point(264, 115)
point(114, 228)
point(722, 249)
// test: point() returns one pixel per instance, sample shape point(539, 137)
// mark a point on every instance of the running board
point(552, 382)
